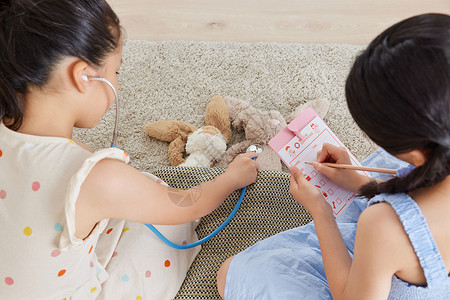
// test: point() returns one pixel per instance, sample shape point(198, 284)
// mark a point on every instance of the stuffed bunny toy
point(204, 146)
point(260, 127)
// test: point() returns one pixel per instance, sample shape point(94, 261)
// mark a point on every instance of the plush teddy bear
point(260, 127)
point(204, 146)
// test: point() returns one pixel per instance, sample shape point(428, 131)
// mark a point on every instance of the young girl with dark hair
point(56, 195)
point(398, 92)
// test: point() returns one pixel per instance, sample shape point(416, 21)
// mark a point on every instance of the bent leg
point(222, 276)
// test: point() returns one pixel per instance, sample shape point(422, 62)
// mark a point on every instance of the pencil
point(358, 168)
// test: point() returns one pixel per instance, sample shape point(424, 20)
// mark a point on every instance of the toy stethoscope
point(253, 148)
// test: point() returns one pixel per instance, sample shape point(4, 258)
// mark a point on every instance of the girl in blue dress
point(393, 242)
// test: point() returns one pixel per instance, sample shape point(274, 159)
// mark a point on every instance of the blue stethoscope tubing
point(206, 238)
point(252, 148)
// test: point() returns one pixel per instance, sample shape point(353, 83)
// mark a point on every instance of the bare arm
point(336, 259)
point(116, 190)
point(379, 252)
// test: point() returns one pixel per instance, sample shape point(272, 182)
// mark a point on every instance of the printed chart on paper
point(298, 151)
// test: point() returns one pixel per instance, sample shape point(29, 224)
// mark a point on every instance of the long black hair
point(36, 34)
point(398, 92)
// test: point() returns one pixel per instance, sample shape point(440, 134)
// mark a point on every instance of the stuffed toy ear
point(176, 133)
point(176, 150)
point(168, 131)
point(218, 115)
point(320, 106)
point(240, 112)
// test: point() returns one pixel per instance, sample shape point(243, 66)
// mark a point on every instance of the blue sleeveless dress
point(289, 265)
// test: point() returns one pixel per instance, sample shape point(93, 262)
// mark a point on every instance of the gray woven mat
point(267, 209)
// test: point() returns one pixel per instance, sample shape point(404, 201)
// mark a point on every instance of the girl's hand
point(243, 171)
point(307, 194)
point(348, 179)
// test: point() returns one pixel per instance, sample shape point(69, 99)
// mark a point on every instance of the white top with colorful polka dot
point(39, 184)
point(40, 179)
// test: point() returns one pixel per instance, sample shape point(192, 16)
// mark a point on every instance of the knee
point(222, 276)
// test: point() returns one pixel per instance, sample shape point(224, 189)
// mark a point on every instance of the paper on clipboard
point(299, 142)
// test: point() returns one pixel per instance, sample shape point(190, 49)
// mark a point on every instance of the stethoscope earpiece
point(84, 77)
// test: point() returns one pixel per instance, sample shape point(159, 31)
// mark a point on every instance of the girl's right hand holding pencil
point(347, 179)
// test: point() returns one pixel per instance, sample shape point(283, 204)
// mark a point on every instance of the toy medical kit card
point(299, 142)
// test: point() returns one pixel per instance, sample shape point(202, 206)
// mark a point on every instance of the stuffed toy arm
point(232, 152)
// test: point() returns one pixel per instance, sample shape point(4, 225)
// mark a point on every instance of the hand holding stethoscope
point(253, 148)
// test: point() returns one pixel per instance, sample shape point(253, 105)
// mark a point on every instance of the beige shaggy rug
point(176, 80)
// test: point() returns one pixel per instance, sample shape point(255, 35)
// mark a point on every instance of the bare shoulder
point(380, 228)
point(381, 222)
point(112, 180)
point(374, 262)
point(107, 173)
point(380, 215)
point(112, 189)
point(97, 186)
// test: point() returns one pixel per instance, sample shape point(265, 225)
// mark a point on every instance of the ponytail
point(434, 170)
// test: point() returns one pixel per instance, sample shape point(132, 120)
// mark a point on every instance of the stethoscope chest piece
point(255, 148)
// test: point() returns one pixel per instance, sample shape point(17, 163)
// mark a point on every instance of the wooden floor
point(292, 21)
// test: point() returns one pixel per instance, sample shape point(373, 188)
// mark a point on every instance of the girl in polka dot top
point(63, 206)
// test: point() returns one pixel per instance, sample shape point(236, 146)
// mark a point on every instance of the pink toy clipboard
point(299, 142)
point(288, 133)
